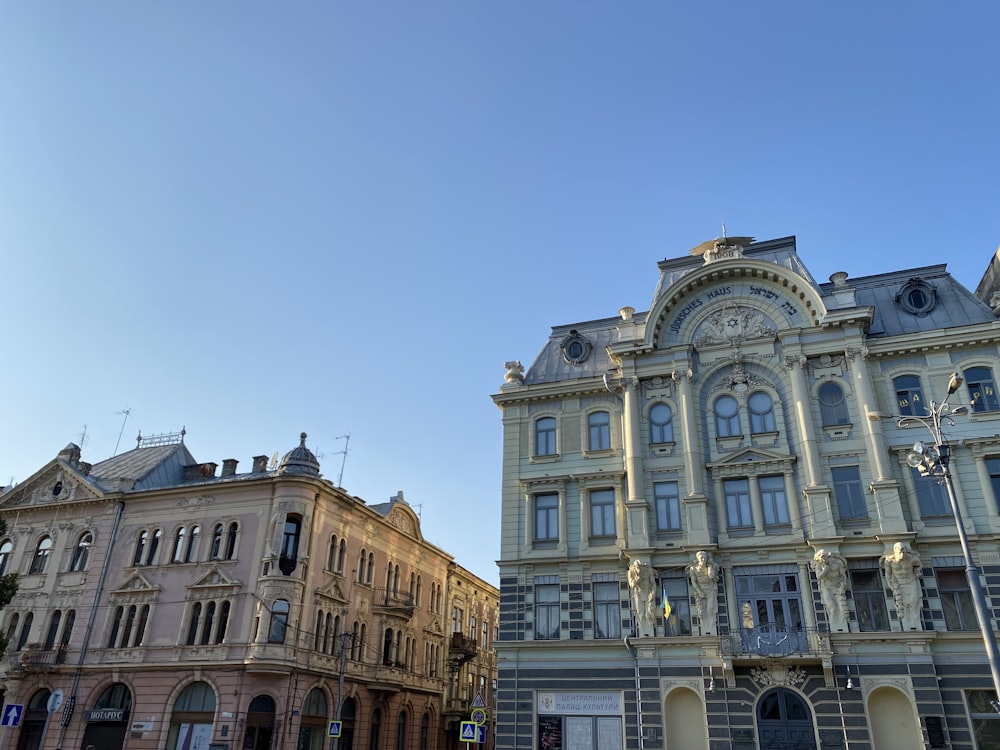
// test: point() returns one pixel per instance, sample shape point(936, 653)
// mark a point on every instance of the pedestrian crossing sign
point(334, 730)
point(468, 731)
point(478, 701)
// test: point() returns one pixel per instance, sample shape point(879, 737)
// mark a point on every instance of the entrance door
point(784, 721)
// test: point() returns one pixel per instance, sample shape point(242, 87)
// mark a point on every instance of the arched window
point(371, 568)
point(425, 725)
point(116, 624)
point(67, 631)
point(178, 554)
point(42, 553)
point(761, 413)
point(288, 558)
point(341, 555)
point(661, 427)
point(331, 555)
point(278, 627)
point(727, 417)
point(362, 563)
point(82, 552)
point(419, 592)
point(832, 406)
point(312, 729)
point(130, 614)
point(216, 549)
point(401, 731)
point(25, 631)
point(192, 636)
point(140, 547)
point(387, 648)
point(909, 395)
point(193, 713)
point(53, 632)
point(220, 632)
point(982, 389)
point(6, 548)
point(599, 431)
point(376, 728)
point(783, 715)
point(545, 436)
point(191, 553)
point(140, 630)
point(12, 627)
point(231, 540)
point(154, 546)
point(206, 628)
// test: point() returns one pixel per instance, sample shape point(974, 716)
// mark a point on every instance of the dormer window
point(575, 348)
point(917, 297)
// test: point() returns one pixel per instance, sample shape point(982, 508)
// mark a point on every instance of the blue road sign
point(468, 731)
point(12, 715)
point(480, 734)
point(334, 730)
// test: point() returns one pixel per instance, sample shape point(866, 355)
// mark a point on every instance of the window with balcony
point(909, 395)
point(982, 390)
point(602, 514)
point(599, 431)
point(547, 612)
point(607, 610)
point(770, 609)
point(668, 506)
point(289, 557)
point(661, 427)
point(545, 436)
point(22, 641)
point(849, 493)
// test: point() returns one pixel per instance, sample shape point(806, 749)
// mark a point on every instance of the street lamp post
point(934, 460)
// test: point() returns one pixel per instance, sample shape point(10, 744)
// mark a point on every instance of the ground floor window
point(985, 721)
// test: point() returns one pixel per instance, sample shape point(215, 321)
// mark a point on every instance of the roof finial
point(723, 233)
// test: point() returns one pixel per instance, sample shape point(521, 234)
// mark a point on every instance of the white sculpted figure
point(642, 583)
point(704, 576)
point(902, 574)
point(831, 574)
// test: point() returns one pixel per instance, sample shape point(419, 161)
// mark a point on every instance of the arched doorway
point(348, 714)
point(894, 722)
point(784, 721)
point(312, 730)
point(33, 721)
point(260, 724)
point(686, 725)
point(192, 717)
point(107, 721)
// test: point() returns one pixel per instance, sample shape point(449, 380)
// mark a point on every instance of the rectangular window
point(547, 517)
point(547, 612)
point(985, 720)
point(668, 506)
point(738, 513)
point(770, 609)
point(607, 610)
point(599, 426)
point(993, 467)
point(982, 391)
point(773, 502)
point(602, 513)
point(956, 600)
point(932, 496)
point(675, 591)
point(849, 493)
point(545, 437)
point(869, 601)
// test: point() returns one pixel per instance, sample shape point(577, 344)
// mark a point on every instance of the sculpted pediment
point(136, 583)
point(56, 482)
point(746, 460)
point(403, 518)
point(214, 578)
point(434, 627)
point(333, 592)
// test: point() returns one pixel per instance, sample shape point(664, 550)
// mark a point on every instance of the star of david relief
point(732, 324)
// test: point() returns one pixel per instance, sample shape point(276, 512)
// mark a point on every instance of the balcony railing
point(37, 658)
point(776, 641)
point(463, 644)
point(393, 602)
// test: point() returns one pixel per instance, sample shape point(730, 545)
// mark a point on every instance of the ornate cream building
point(711, 534)
point(165, 604)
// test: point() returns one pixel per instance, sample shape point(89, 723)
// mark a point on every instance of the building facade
point(163, 604)
point(711, 533)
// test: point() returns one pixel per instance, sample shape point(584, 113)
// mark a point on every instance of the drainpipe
point(638, 701)
point(71, 702)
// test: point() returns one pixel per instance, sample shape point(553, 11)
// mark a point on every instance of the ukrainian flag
point(666, 606)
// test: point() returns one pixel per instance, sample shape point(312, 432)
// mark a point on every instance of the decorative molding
point(777, 673)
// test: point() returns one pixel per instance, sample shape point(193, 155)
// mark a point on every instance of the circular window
point(575, 348)
point(917, 297)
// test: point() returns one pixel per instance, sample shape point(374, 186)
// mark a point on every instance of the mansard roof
point(577, 351)
point(144, 468)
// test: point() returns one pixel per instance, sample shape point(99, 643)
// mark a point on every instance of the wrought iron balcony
point(392, 602)
point(37, 658)
point(463, 644)
point(776, 641)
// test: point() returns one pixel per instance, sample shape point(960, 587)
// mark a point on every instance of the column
point(636, 507)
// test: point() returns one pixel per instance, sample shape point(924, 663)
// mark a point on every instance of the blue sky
point(257, 218)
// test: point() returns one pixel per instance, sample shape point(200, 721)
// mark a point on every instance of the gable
point(214, 579)
point(56, 482)
point(333, 592)
point(752, 461)
point(136, 583)
point(403, 518)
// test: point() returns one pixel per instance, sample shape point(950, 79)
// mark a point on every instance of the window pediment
point(751, 462)
point(135, 586)
point(333, 592)
point(214, 579)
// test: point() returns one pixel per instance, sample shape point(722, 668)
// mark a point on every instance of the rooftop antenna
point(83, 435)
point(274, 462)
point(126, 411)
point(346, 437)
point(420, 510)
point(723, 232)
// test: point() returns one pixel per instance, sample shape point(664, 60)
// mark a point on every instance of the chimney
point(259, 464)
point(229, 467)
